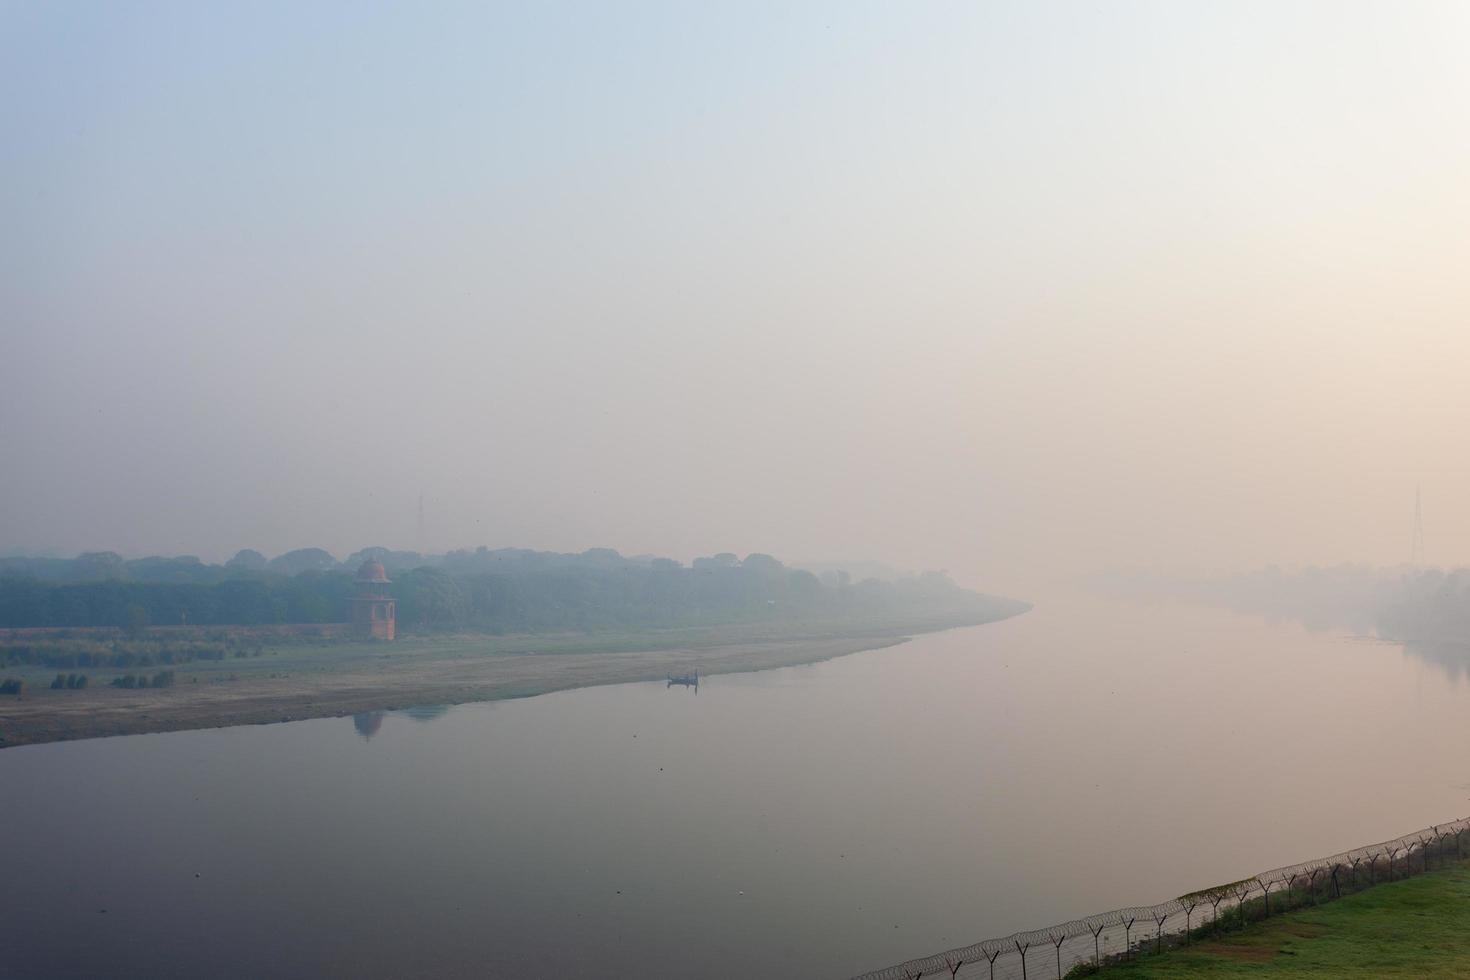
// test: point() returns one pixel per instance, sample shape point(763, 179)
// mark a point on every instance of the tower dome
point(372, 571)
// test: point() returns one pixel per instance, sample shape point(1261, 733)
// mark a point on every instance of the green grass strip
point(1415, 927)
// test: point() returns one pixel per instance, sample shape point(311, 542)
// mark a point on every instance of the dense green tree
point(99, 565)
point(247, 560)
point(135, 618)
point(185, 568)
point(430, 597)
point(302, 560)
point(501, 590)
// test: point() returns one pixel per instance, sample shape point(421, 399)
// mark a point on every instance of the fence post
point(1432, 843)
point(1242, 892)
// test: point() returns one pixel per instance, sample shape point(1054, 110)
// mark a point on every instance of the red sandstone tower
point(373, 609)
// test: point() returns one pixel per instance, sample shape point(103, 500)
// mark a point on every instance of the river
point(810, 821)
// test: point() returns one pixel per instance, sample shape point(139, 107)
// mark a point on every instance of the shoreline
point(314, 683)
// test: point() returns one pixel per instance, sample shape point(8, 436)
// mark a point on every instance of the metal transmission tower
point(422, 542)
point(1416, 547)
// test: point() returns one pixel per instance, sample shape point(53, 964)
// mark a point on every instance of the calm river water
point(812, 821)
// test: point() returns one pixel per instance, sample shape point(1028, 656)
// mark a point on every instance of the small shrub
point(60, 683)
point(12, 685)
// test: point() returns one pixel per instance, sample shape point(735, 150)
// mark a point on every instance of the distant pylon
point(422, 542)
point(1416, 547)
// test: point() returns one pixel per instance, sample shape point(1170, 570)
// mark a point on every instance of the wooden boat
point(685, 680)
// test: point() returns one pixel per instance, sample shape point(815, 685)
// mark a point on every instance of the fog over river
point(810, 821)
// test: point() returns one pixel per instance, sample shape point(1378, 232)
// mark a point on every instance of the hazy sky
point(1008, 289)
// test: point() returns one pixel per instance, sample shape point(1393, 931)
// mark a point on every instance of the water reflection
point(1452, 658)
point(426, 712)
point(367, 723)
point(1362, 625)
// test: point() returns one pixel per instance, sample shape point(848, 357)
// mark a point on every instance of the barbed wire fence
point(1098, 939)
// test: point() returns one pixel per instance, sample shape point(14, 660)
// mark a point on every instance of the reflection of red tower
point(373, 609)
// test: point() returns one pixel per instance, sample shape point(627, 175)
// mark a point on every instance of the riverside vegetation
point(506, 590)
point(255, 641)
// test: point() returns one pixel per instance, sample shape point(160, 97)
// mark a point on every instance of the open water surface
point(810, 821)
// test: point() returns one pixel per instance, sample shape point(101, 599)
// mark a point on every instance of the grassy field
point(252, 657)
point(1416, 927)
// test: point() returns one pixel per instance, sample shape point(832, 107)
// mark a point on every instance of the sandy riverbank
point(296, 683)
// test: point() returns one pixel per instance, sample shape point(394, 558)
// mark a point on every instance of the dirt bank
point(305, 685)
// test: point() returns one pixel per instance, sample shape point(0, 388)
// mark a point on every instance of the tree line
point(310, 597)
point(1423, 607)
point(502, 590)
